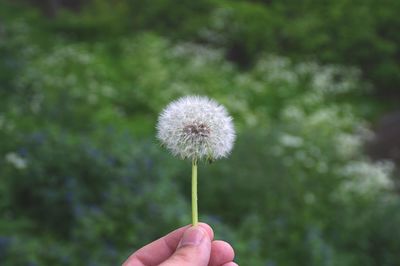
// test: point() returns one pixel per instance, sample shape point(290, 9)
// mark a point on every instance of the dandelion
point(196, 128)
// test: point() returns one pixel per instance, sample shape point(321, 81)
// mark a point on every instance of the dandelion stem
point(195, 215)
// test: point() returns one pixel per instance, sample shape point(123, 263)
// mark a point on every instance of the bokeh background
point(313, 87)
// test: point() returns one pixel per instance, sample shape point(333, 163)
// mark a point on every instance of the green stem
point(195, 215)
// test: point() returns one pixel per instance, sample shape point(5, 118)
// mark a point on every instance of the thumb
point(193, 250)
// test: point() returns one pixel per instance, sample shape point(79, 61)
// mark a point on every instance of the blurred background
point(313, 87)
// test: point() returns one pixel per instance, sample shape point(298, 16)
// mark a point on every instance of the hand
point(186, 246)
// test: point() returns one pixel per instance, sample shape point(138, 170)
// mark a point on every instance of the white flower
point(367, 177)
point(16, 160)
point(291, 141)
point(195, 127)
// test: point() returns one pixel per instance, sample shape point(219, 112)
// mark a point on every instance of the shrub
point(81, 177)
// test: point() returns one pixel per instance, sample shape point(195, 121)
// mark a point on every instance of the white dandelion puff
point(196, 127)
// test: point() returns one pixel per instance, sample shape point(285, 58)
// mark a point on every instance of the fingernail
point(192, 237)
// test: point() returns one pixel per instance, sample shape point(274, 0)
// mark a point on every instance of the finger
point(230, 264)
point(161, 249)
point(193, 250)
point(221, 253)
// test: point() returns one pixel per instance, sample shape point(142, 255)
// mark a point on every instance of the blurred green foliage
point(82, 177)
point(361, 34)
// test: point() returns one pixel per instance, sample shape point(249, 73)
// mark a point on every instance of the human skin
point(186, 246)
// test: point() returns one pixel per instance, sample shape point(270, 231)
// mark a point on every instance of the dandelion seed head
point(196, 127)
